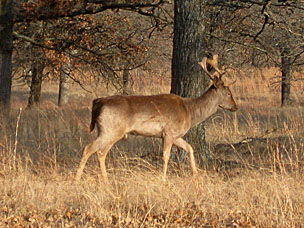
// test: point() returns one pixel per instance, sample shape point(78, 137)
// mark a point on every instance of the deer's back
point(144, 115)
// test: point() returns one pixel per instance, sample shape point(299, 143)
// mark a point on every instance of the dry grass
point(140, 198)
point(253, 179)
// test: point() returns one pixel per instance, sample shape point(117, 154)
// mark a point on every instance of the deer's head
point(226, 100)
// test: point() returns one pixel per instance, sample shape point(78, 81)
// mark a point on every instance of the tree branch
point(91, 9)
point(30, 40)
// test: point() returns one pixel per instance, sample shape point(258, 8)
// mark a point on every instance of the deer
point(166, 116)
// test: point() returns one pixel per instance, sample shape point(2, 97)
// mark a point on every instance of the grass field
point(254, 177)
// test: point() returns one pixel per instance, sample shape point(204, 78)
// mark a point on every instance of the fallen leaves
point(189, 216)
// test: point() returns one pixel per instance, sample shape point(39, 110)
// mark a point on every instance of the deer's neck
point(202, 107)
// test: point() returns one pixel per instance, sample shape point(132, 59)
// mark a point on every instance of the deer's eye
point(228, 93)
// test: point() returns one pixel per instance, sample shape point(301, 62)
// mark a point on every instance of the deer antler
point(203, 64)
point(233, 77)
point(212, 62)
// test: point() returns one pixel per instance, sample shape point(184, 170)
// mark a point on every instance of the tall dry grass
point(254, 178)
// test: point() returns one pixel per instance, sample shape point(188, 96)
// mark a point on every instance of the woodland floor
point(253, 178)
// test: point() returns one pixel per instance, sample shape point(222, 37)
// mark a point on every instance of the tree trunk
point(286, 77)
point(188, 49)
point(6, 48)
point(35, 90)
point(125, 80)
point(63, 95)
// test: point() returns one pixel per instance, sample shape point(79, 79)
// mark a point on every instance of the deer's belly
point(157, 129)
point(147, 129)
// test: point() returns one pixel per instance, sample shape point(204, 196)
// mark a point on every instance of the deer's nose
point(235, 108)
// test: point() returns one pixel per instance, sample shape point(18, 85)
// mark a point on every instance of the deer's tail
point(96, 109)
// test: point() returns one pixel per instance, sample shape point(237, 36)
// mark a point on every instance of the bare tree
point(260, 34)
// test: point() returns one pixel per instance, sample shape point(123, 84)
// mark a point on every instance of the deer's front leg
point(187, 147)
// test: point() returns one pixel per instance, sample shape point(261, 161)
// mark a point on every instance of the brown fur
point(96, 108)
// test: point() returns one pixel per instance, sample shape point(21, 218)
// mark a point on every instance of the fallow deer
point(167, 116)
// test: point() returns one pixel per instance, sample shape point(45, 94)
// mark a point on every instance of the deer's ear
point(217, 82)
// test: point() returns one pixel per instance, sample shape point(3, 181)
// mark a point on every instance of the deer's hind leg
point(87, 152)
point(102, 154)
point(100, 145)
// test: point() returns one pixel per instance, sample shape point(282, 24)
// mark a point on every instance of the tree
point(282, 37)
point(36, 61)
point(36, 82)
point(189, 46)
point(64, 74)
point(261, 34)
point(6, 47)
point(28, 12)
